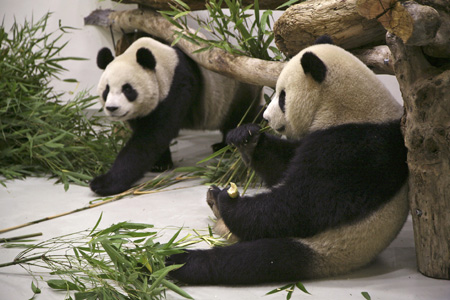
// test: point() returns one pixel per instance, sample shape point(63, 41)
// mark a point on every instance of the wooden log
point(198, 4)
point(301, 24)
point(415, 24)
point(426, 95)
point(245, 69)
point(378, 59)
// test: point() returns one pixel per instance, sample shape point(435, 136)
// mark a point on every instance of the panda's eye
point(105, 92)
point(129, 92)
point(282, 101)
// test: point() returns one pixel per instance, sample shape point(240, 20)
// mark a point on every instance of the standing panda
point(158, 90)
point(337, 190)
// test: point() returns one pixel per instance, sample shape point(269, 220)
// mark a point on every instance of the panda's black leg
point(253, 262)
point(164, 162)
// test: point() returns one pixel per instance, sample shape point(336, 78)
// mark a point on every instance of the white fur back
point(217, 95)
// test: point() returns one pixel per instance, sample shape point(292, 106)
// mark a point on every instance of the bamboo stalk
point(20, 237)
point(21, 261)
point(134, 191)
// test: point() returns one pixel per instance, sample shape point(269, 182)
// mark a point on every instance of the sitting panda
point(337, 189)
point(158, 90)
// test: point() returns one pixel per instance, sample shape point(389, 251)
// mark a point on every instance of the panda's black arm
point(338, 175)
point(268, 155)
point(275, 213)
point(272, 156)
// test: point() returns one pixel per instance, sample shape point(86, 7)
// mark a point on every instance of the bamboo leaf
point(173, 287)
point(215, 154)
point(96, 224)
point(65, 285)
point(286, 4)
point(277, 290)
point(300, 286)
point(35, 289)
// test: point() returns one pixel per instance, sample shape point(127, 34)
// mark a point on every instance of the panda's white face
point(275, 112)
point(291, 110)
point(134, 83)
point(128, 91)
point(324, 86)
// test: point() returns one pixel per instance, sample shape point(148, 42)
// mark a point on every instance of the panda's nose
point(112, 108)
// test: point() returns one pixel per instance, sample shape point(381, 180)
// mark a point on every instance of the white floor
point(392, 275)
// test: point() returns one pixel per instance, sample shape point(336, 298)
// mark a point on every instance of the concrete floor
point(392, 275)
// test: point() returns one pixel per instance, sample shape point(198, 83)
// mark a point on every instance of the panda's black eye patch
point(129, 92)
point(282, 101)
point(105, 92)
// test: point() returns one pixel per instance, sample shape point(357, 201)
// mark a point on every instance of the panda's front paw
point(107, 184)
point(211, 198)
point(245, 138)
point(243, 135)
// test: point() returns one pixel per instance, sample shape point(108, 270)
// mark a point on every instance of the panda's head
point(134, 83)
point(323, 86)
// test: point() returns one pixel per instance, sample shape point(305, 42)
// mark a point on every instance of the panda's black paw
point(164, 162)
point(211, 198)
point(243, 135)
point(106, 184)
point(159, 168)
point(245, 138)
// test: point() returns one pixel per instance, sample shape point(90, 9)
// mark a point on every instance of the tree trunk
point(426, 94)
point(301, 24)
point(419, 39)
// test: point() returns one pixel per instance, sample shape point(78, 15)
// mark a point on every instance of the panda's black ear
point(324, 39)
point(104, 57)
point(145, 58)
point(314, 66)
